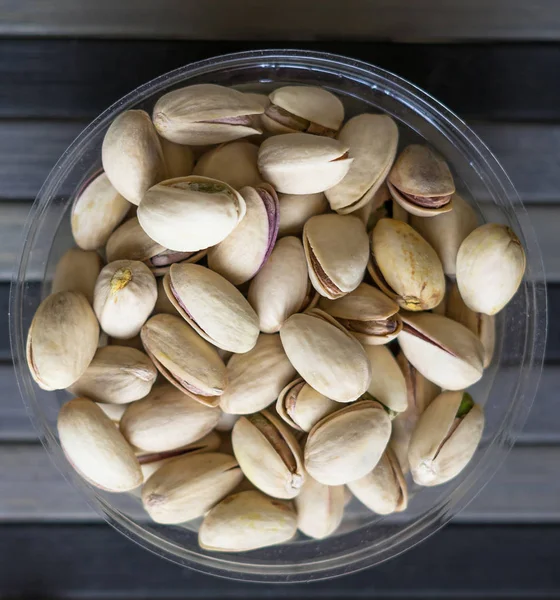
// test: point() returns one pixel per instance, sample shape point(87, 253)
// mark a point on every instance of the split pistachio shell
point(337, 251)
point(387, 385)
point(296, 210)
point(62, 340)
point(367, 313)
point(444, 351)
point(206, 114)
point(113, 411)
point(319, 508)
point(188, 486)
point(372, 141)
point(347, 444)
point(187, 361)
point(96, 448)
point(77, 271)
point(132, 155)
point(163, 303)
point(96, 211)
point(405, 266)
point(117, 375)
point(329, 359)
point(247, 521)
point(179, 158)
point(490, 267)
point(257, 377)
point(124, 296)
point(189, 214)
point(445, 439)
point(268, 454)
point(301, 163)
point(213, 307)
point(244, 251)
point(421, 182)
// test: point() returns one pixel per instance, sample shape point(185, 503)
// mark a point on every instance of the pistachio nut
point(347, 444)
point(226, 421)
point(446, 438)
point(372, 141)
point(490, 267)
point(190, 485)
point(77, 271)
point(319, 508)
point(213, 307)
point(132, 155)
point(329, 359)
point(301, 163)
point(245, 250)
point(247, 521)
point(62, 340)
point(297, 209)
point(113, 411)
point(268, 454)
point(444, 351)
point(257, 377)
point(187, 361)
point(163, 303)
point(421, 182)
point(206, 114)
point(387, 385)
point(189, 214)
point(124, 296)
point(337, 250)
point(95, 447)
point(405, 266)
point(179, 158)
point(367, 313)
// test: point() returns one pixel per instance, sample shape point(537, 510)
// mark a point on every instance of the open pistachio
point(347, 444)
point(372, 141)
point(319, 508)
point(405, 266)
point(297, 209)
point(234, 163)
point(387, 384)
point(490, 268)
point(247, 521)
point(124, 296)
point(268, 454)
point(421, 182)
point(179, 158)
point(187, 361)
point(213, 307)
point(77, 271)
point(329, 359)
point(444, 351)
point(300, 163)
point(206, 114)
point(337, 250)
point(445, 438)
point(62, 340)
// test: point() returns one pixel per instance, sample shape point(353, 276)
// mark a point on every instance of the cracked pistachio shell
point(124, 296)
point(117, 375)
point(96, 211)
point(268, 454)
point(490, 267)
point(206, 114)
point(95, 447)
point(257, 377)
point(367, 313)
point(247, 521)
point(113, 411)
point(405, 266)
point(62, 340)
point(445, 439)
point(383, 490)
point(372, 141)
point(190, 485)
point(213, 307)
point(187, 361)
point(387, 385)
point(319, 508)
point(329, 359)
point(132, 155)
point(245, 250)
point(337, 250)
point(166, 419)
point(301, 163)
point(179, 158)
point(297, 209)
point(444, 351)
point(77, 271)
point(347, 444)
point(421, 182)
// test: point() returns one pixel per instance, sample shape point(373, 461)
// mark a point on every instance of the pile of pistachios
point(267, 304)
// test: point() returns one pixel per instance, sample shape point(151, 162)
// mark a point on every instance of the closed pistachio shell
point(319, 508)
point(296, 210)
point(77, 271)
point(62, 340)
point(387, 384)
point(490, 267)
point(179, 158)
point(163, 303)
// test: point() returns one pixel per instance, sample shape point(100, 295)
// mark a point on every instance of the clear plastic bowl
point(507, 389)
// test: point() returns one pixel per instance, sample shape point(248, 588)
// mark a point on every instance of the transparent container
point(507, 389)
